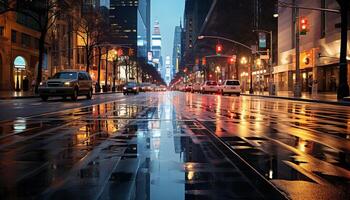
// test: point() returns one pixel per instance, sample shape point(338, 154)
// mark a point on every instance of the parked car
point(131, 87)
point(231, 87)
point(196, 87)
point(161, 88)
point(153, 87)
point(209, 87)
point(146, 87)
point(68, 83)
point(182, 87)
point(188, 88)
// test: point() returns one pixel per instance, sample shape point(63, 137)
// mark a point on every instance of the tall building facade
point(319, 48)
point(128, 20)
point(19, 48)
point(195, 14)
point(177, 49)
point(167, 73)
point(19, 53)
point(157, 47)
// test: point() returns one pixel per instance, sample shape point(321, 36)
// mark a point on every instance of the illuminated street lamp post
point(244, 61)
point(217, 71)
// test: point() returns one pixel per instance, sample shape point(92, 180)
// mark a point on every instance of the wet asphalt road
point(174, 146)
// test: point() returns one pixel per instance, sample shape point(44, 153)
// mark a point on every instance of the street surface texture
point(174, 145)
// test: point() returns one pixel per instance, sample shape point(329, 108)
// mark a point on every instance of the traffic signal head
point(304, 26)
point(204, 61)
point(218, 49)
point(232, 59)
point(131, 52)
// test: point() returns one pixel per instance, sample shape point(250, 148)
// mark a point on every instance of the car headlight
point(67, 84)
point(124, 88)
point(42, 84)
point(134, 88)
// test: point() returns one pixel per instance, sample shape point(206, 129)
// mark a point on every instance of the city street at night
point(175, 99)
point(174, 145)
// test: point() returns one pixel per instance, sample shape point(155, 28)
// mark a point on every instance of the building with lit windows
point(177, 49)
point(128, 20)
point(195, 14)
point(157, 47)
point(19, 55)
point(319, 48)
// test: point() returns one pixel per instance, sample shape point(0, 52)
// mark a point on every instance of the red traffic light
point(204, 61)
point(232, 59)
point(218, 49)
point(304, 26)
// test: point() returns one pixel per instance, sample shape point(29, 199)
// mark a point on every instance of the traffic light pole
point(343, 89)
point(297, 86)
point(270, 53)
point(251, 90)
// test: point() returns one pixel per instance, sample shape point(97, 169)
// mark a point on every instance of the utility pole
point(271, 83)
point(297, 86)
point(106, 79)
point(251, 61)
point(343, 89)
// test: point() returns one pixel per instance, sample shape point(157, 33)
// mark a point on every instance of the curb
point(341, 103)
point(36, 96)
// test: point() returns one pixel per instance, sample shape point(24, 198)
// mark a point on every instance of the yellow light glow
point(190, 175)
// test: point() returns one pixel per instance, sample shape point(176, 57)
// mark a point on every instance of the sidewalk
point(17, 95)
point(29, 94)
point(329, 98)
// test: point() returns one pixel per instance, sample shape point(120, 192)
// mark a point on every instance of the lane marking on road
point(120, 98)
point(18, 107)
point(35, 104)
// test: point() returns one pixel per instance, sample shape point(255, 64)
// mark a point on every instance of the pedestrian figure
point(25, 84)
point(310, 84)
point(33, 84)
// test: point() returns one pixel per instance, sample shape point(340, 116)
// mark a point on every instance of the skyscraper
point(177, 49)
point(157, 46)
point(167, 73)
point(128, 24)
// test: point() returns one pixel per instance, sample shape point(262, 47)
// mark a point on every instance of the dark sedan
point(131, 87)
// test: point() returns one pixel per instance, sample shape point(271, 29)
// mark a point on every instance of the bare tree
point(102, 38)
point(88, 27)
point(44, 13)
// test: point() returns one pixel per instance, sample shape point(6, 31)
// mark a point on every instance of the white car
point(231, 87)
point(182, 87)
point(210, 87)
point(196, 87)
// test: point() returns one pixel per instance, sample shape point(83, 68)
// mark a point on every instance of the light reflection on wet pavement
point(161, 146)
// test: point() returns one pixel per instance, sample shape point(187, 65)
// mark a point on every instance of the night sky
point(168, 13)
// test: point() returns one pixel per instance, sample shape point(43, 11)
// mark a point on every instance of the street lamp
point(244, 61)
point(218, 70)
point(271, 81)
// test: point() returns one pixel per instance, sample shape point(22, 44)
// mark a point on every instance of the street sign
point(264, 57)
point(262, 40)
